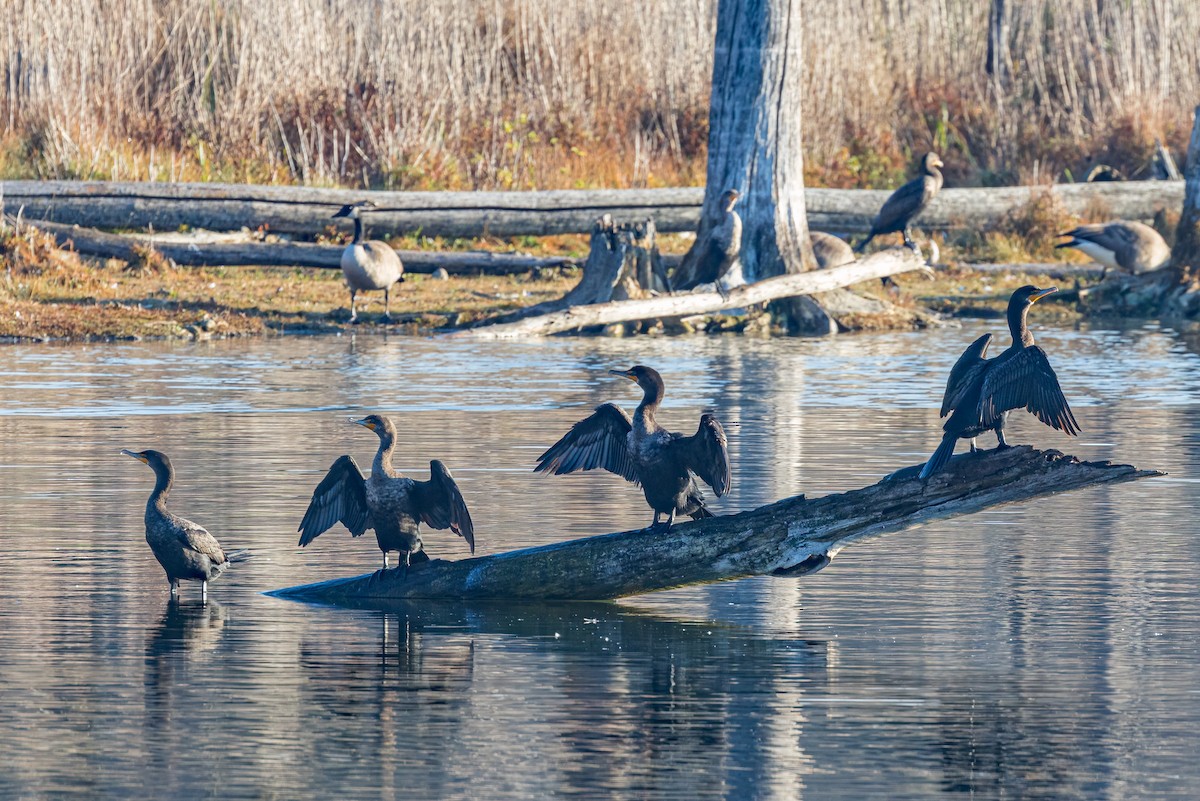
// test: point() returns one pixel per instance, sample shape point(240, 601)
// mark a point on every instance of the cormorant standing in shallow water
point(392, 504)
point(982, 391)
point(185, 550)
point(642, 451)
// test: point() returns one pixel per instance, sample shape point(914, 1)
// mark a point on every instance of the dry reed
point(560, 93)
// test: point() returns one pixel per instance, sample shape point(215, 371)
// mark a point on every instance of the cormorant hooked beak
point(625, 374)
point(364, 422)
point(135, 455)
point(1041, 293)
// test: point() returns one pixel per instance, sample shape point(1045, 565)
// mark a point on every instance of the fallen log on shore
point(89, 242)
point(307, 210)
point(877, 265)
point(788, 538)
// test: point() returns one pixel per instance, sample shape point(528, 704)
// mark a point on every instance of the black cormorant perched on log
point(392, 504)
point(368, 264)
point(186, 551)
point(906, 203)
point(1121, 245)
point(981, 391)
point(642, 451)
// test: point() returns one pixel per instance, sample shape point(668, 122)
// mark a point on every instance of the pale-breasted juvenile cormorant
point(368, 264)
point(186, 551)
point(392, 504)
point(642, 451)
point(981, 391)
point(1121, 245)
point(726, 243)
point(906, 203)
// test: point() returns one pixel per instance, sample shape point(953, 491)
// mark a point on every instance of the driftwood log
point(788, 538)
point(306, 210)
point(882, 263)
point(89, 242)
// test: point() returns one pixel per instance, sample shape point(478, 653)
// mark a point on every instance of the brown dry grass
point(565, 93)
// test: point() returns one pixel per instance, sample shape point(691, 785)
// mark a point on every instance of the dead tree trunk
point(1186, 253)
point(789, 538)
point(754, 141)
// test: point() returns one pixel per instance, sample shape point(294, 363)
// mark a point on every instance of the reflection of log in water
point(791, 537)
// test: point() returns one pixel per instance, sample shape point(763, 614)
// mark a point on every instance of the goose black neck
point(358, 230)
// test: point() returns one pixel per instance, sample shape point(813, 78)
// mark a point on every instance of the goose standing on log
point(186, 551)
point(368, 264)
point(906, 204)
point(1121, 245)
point(981, 391)
point(392, 504)
point(642, 451)
point(830, 250)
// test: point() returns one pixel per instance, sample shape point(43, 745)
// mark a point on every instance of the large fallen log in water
point(788, 538)
point(307, 210)
point(90, 242)
point(877, 265)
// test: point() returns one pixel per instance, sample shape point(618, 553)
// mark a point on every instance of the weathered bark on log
point(1186, 253)
point(788, 538)
point(307, 211)
point(882, 263)
point(754, 141)
point(88, 242)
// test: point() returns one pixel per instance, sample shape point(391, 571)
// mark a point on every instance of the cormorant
point(368, 264)
point(185, 550)
point(392, 504)
point(642, 451)
point(1123, 245)
point(906, 203)
point(982, 391)
point(726, 244)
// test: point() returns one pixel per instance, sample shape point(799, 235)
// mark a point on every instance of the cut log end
point(791, 537)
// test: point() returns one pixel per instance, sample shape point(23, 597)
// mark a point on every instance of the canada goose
point(906, 203)
point(1122, 245)
point(185, 550)
point(830, 250)
point(981, 392)
point(640, 450)
point(392, 504)
point(368, 264)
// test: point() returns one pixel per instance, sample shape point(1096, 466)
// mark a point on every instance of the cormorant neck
point(164, 476)
point(1017, 325)
point(383, 457)
point(652, 396)
point(358, 230)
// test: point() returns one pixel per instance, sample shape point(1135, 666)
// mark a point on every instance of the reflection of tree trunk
point(754, 140)
point(1186, 254)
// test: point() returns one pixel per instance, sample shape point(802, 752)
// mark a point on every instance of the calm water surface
point(1049, 649)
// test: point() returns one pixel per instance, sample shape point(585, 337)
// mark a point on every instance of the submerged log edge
point(790, 537)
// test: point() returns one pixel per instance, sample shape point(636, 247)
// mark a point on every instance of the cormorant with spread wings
point(981, 391)
point(640, 450)
point(392, 504)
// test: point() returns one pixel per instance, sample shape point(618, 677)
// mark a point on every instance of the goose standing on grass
point(368, 264)
point(906, 204)
point(1121, 245)
point(186, 551)
point(392, 504)
point(642, 451)
point(981, 391)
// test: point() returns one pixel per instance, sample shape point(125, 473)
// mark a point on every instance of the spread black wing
point(340, 497)
point(706, 453)
point(441, 505)
point(1026, 381)
point(598, 441)
point(965, 373)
